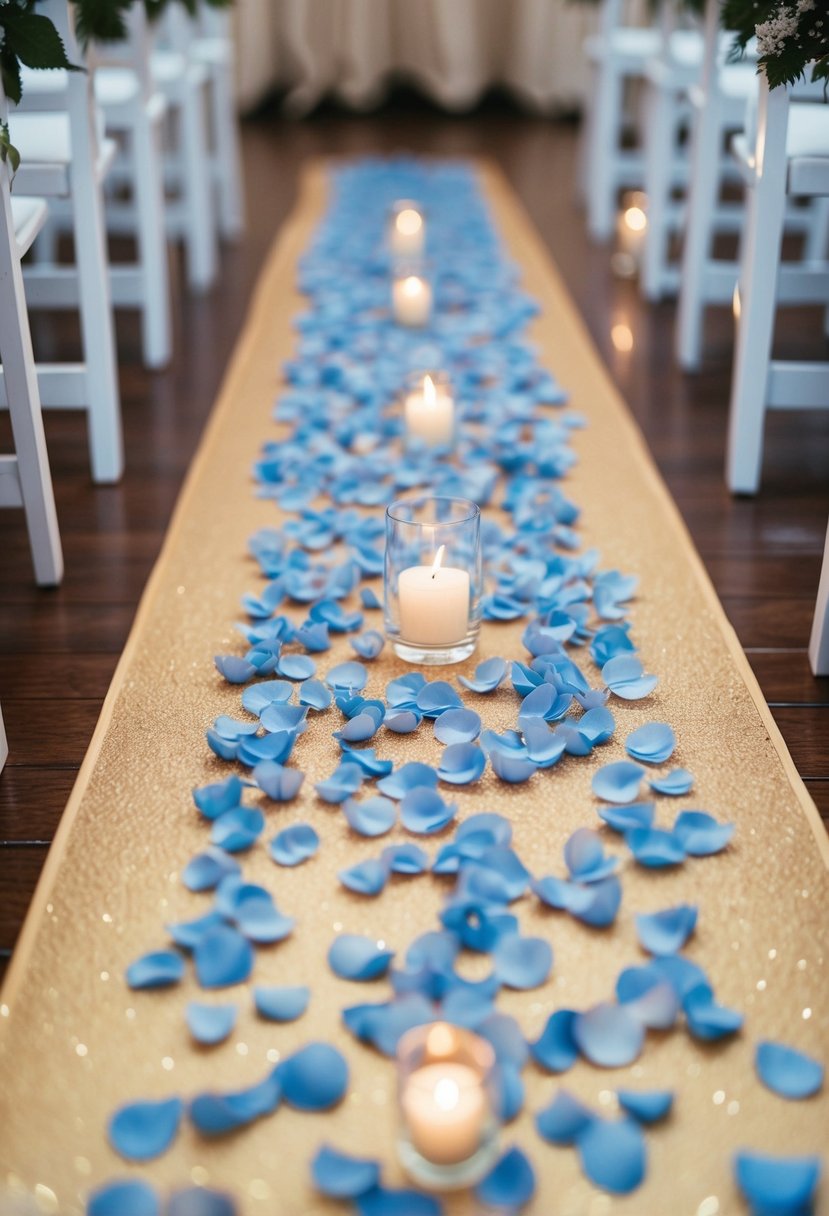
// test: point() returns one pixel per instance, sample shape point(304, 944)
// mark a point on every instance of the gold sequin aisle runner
point(75, 1042)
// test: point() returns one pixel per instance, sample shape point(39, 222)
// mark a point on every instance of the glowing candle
point(412, 301)
point(434, 603)
point(446, 1111)
point(408, 232)
point(429, 414)
point(631, 232)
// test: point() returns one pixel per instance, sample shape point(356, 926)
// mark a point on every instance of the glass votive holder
point(448, 1132)
point(631, 234)
point(407, 229)
point(429, 415)
point(433, 577)
point(411, 298)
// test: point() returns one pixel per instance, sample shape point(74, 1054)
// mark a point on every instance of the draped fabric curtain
point(451, 49)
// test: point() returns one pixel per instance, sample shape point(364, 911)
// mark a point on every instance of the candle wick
point(438, 560)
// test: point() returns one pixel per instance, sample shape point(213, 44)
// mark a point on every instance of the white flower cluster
point(772, 34)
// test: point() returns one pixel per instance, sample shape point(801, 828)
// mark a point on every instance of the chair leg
point(4, 746)
point(200, 237)
point(226, 154)
point(759, 264)
point(27, 421)
point(604, 153)
point(819, 643)
point(152, 242)
point(699, 227)
point(660, 150)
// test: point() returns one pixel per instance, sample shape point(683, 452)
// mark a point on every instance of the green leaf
point(10, 70)
point(33, 39)
point(101, 20)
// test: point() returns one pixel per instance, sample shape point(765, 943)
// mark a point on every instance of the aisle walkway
point(58, 651)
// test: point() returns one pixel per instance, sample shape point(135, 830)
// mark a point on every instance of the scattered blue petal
point(624, 818)
point(655, 847)
point(646, 1106)
point(281, 1004)
point(777, 1186)
point(461, 764)
point(675, 783)
point(279, 783)
point(510, 1183)
point(141, 1131)
point(351, 675)
point(457, 726)
point(371, 817)
point(206, 870)
point(238, 829)
point(294, 845)
point(653, 743)
point(618, 781)
point(624, 676)
point(666, 932)
point(126, 1197)
point(223, 957)
point(488, 675)
point(613, 1155)
point(342, 1177)
point(314, 694)
point(608, 1035)
point(565, 1120)
point(700, 834)
point(210, 1024)
point(423, 811)
point(522, 962)
point(369, 644)
point(315, 1078)
point(383, 1201)
point(353, 957)
point(214, 800)
point(556, 1049)
point(157, 970)
point(366, 877)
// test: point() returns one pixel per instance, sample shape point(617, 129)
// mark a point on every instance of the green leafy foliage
point(8, 153)
point(790, 36)
point(28, 38)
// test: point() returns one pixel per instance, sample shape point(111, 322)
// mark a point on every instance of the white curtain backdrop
point(452, 49)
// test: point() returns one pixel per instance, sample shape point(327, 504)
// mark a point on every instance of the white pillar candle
point(446, 1111)
point(412, 301)
point(631, 230)
point(408, 233)
point(429, 414)
point(434, 603)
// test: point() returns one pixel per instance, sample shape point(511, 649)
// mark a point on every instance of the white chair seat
point(628, 43)
point(169, 68)
point(46, 154)
point(29, 216)
point(807, 149)
point(213, 51)
point(116, 86)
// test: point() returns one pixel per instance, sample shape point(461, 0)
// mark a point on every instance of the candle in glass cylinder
point(429, 414)
point(434, 603)
point(446, 1111)
point(412, 301)
point(408, 231)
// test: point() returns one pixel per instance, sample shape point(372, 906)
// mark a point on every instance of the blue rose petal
point(368, 598)
point(369, 644)
point(216, 1114)
point(368, 760)
point(209, 1024)
point(608, 1035)
point(787, 1071)
point(354, 957)
point(351, 675)
point(708, 1020)
point(159, 969)
point(402, 721)
point(238, 829)
point(410, 776)
point(315, 1078)
point(295, 844)
point(435, 698)
point(279, 716)
point(405, 859)
point(367, 877)
point(423, 811)
point(510, 1184)
point(675, 783)
point(384, 1201)
point(278, 783)
point(141, 1131)
point(343, 782)
point(522, 962)
point(618, 781)
point(234, 669)
point(457, 726)
point(125, 1197)
point(359, 729)
point(222, 958)
point(565, 1120)
point(624, 676)
point(371, 817)
point(461, 764)
point(509, 1092)
point(613, 1155)
point(339, 1176)
point(625, 818)
point(653, 743)
point(555, 1049)
point(700, 834)
point(296, 666)
point(213, 800)
point(648, 996)
point(777, 1186)
point(259, 696)
point(199, 1201)
point(646, 1106)
point(488, 676)
point(206, 870)
point(655, 847)
point(514, 769)
point(315, 695)
point(666, 932)
point(281, 1004)
point(585, 858)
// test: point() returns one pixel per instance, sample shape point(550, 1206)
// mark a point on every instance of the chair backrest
point(134, 51)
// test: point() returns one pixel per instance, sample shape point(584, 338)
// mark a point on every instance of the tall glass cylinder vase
point(433, 579)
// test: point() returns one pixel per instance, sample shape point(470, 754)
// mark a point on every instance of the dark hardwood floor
point(58, 649)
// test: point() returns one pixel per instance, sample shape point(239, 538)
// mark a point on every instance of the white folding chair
point(819, 642)
point(63, 159)
point(185, 82)
point(25, 480)
point(213, 46)
point(790, 155)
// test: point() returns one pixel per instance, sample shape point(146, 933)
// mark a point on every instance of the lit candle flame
point(636, 219)
point(409, 221)
point(412, 285)
point(447, 1094)
point(429, 393)
point(438, 561)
